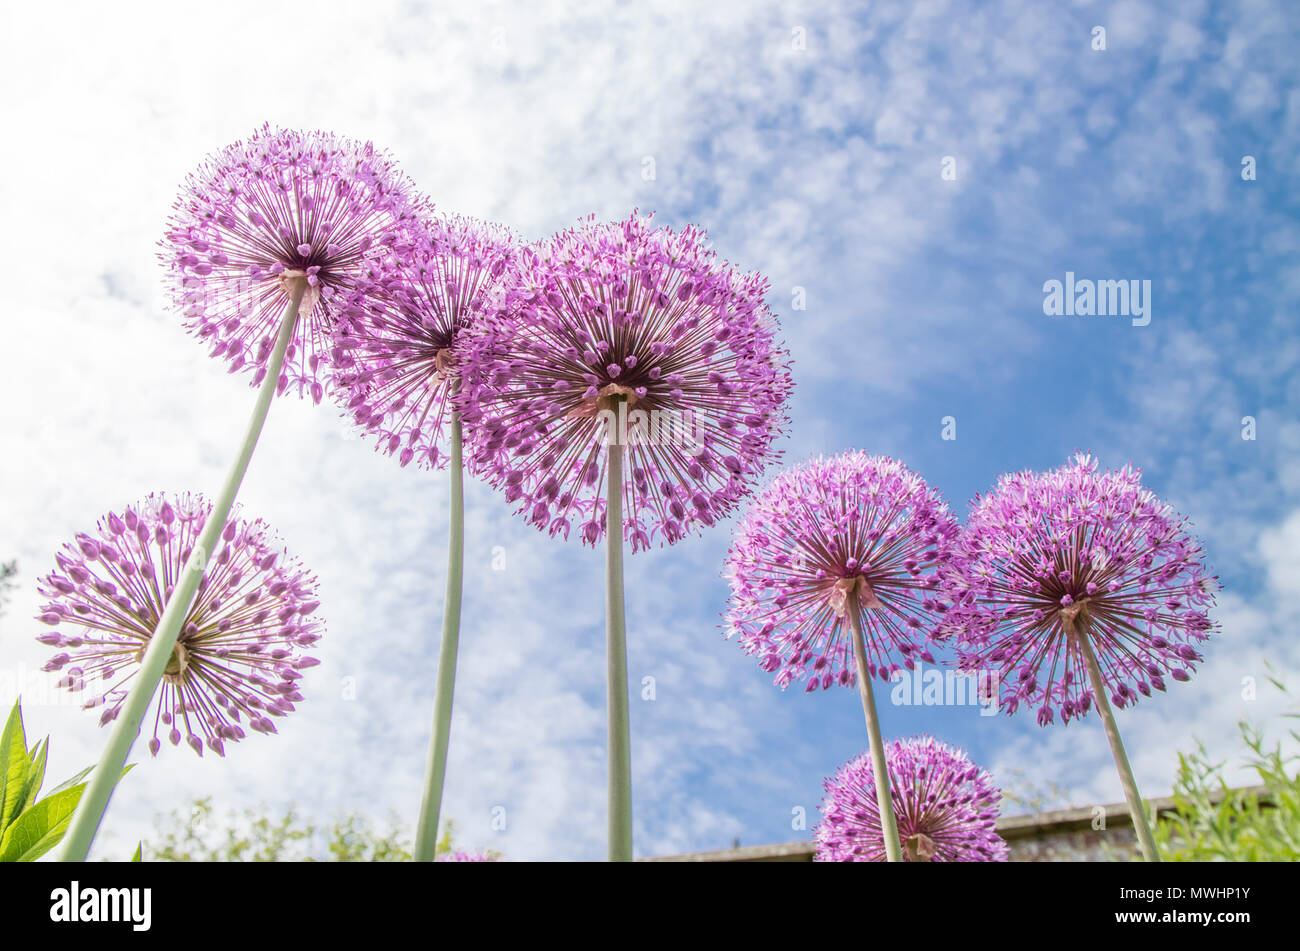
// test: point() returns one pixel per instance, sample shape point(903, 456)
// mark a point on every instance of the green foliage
point(30, 827)
point(1212, 822)
point(351, 839)
point(192, 837)
point(251, 835)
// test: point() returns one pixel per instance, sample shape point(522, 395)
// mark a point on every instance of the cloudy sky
point(914, 172)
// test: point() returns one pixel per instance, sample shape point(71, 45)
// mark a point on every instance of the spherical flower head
point(848, 533)
point(945, 807)
point(241, 650)
point(264, 214)
point(632, 334)
point(462, 856)
point(397, 361)
point(1051, 557)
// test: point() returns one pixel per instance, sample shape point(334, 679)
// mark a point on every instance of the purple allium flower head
point(945, 806)
point(1048, 557)
point(640, 334)
point(279, 206)
point(462, 856)
point(240, 652)
point(396, 363)
point(825, 529)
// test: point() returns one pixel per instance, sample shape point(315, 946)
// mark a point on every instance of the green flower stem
point(94, 801)
point(879, 768)
point(1146, 841)
point(620, 748)
point(426, 838)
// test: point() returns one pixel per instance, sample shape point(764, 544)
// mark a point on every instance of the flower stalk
point(619, 741)
point(103, 779)
point(426, 840)
point(1146, 841)
point(879, 767)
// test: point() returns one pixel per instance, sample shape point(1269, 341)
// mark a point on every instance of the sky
point(908, 175)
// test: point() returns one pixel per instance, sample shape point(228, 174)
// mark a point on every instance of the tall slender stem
point(879, 767)
point(620, 749)
point(426, 839)
point(1146, 841)
point(94, 800)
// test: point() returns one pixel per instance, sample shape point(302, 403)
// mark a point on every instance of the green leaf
point(74, 780)
point(35, 775)
point(40, 828)
point(138, 849)
point(13, 766)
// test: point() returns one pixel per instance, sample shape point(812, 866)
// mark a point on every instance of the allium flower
point(282, 205)
point(461, 856)
point(240, 652)
point(625, 319)
point(851, 523)
point(946, 808)
point(396, 362)
point(1076, 552)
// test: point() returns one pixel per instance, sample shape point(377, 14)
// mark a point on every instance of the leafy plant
point(30, 827)
point(252, 835)
point(1212, 822)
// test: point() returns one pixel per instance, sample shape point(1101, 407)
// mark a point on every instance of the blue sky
point(809, 141)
